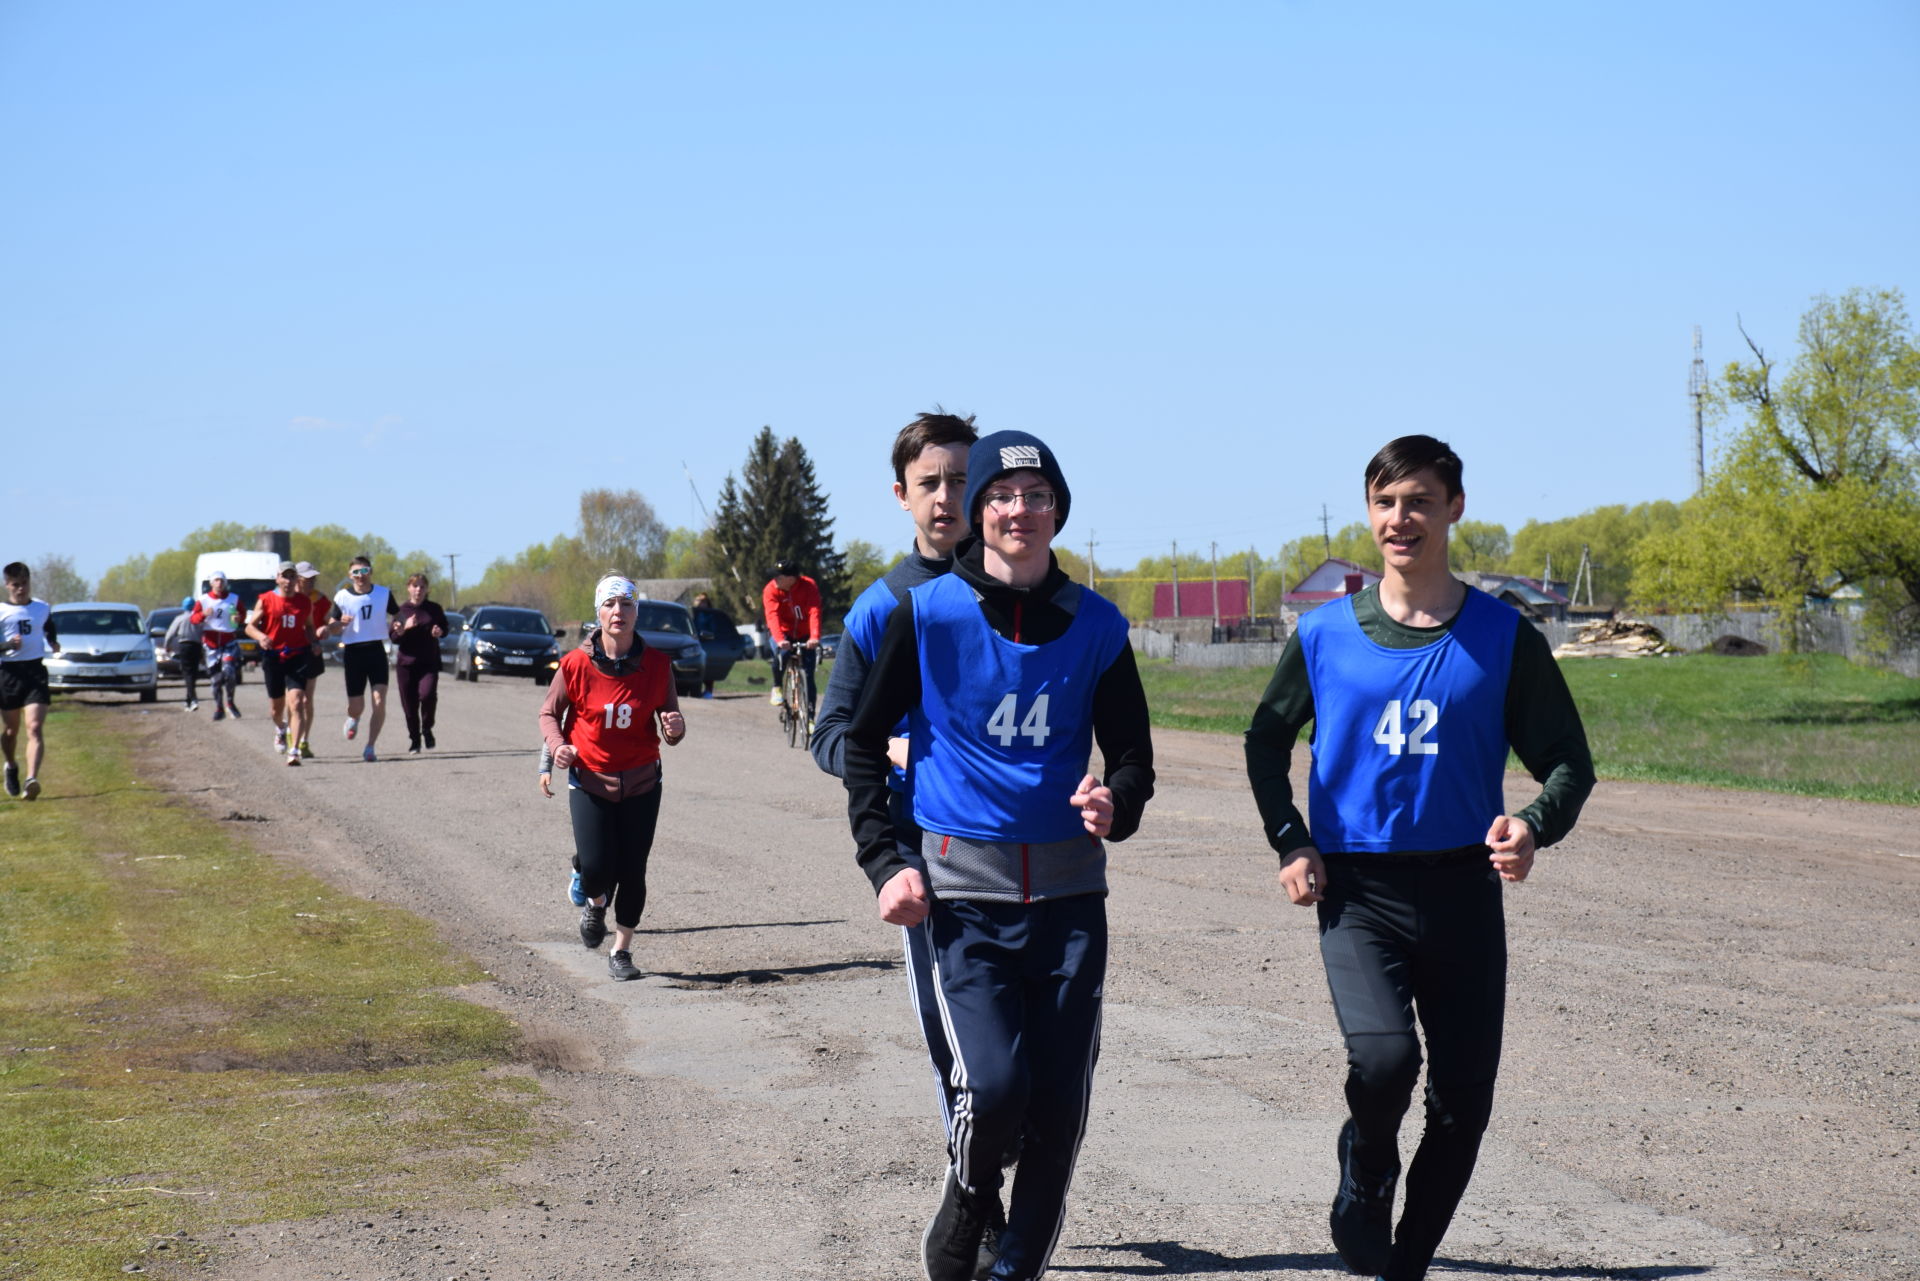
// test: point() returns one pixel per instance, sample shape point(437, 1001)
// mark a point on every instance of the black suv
point(506, 640)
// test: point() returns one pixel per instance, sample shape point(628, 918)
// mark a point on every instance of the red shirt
point(284, 619)
point(793, 615)
point(613, 728)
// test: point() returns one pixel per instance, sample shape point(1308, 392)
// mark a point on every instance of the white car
point(103, 645)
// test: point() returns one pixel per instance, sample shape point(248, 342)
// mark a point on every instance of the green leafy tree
point(865, 562)
point(1478, 545)
point(164, 577)
point(1611, 535)
point(618, 528)
point(774, 510)
point(687, 553)
point(57, 582)
point(1820, 488)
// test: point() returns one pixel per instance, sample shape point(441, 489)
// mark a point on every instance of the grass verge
point(1803, 724)
point(197, 1037)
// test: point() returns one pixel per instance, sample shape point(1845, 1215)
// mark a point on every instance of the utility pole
point(1090, 559)
point(1252, 613)
point(1176, 578)
point(1213, 552)
point(1697, 389)
point(453, 580)
point(1546, 579)
point(1326, 539)
point(1583, 574)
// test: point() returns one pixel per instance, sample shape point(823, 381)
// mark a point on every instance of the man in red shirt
point(282, 621)
point(792, 602)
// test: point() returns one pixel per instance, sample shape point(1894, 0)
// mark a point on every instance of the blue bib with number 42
point(1004, 730)
point(1409, 745)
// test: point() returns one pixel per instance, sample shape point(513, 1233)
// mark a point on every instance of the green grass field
point(195, 1036)
point(1812, 725)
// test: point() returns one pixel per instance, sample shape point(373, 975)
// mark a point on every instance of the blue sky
point(432, 269)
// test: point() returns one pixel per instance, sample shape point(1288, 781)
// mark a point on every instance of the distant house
point(1331, 580)
point(1539, 599)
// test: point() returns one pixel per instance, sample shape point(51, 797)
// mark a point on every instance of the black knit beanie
point(994, 456)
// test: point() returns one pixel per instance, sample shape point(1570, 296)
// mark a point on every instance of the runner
point(282, 621)
point(416, 631)
point(792, 605)
point(1010, 672)
point(606, 711)
point(183, 642)
point(362, 617)
point(217, 613)
point(27, 636)
point(929, 482)
point(307, 583)
point(1416, 688)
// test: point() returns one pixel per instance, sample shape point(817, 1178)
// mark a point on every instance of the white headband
point(613, 587)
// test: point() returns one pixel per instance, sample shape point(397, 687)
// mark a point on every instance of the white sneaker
point(279, 740)
point(351, 728)
point(193, 705)
point(774, 698)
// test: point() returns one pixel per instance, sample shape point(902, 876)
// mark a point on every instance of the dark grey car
point(506, 640)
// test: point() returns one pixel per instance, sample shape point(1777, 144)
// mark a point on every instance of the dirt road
point(1710, 1066)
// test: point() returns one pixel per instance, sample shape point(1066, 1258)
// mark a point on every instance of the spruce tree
point(774, 510)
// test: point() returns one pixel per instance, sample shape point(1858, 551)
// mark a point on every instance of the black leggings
point(1407, 935)
point(419, 696)
point(611, 841)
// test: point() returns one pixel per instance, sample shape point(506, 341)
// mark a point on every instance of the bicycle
point(796, 713)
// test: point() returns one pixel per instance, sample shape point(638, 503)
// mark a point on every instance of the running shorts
point(292, 671)
point(22, 683)
point(366, 664)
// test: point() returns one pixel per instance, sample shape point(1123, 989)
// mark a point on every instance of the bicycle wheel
point(790, 715)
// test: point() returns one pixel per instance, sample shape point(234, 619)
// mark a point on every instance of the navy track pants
point(1018, 987)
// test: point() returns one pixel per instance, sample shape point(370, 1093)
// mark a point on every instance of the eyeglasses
point(1037, 500)
point(361, 573)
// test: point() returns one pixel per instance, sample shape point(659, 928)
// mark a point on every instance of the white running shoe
point(351, 728)
point(774, 698)
point(279, 740)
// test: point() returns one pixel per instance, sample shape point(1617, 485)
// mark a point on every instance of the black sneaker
point(593, 925)
point(1362, 1219)
point(990, 1241)
point(950, 1250)
point(413, 745)
point(427, 734)
point(621, 966)
point(13, 779)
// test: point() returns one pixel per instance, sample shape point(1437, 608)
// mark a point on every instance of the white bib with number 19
point(1388, 734)
point(1034, 726)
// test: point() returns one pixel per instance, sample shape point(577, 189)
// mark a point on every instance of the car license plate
point(518, 660)
point(78, 670)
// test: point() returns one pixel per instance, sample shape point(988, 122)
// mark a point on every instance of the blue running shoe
point(576, 895)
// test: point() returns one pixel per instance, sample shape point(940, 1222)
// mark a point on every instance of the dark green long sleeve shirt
point(1542, 724)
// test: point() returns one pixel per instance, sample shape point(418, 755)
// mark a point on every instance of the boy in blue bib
point(1007, 673)
point(1415, 688)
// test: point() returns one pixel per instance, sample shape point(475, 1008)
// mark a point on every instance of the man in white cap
point(216, 612)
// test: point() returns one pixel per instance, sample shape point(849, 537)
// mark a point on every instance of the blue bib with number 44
point(1004, 730)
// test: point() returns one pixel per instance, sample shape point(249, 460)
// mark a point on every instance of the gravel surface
point(1710, 1065)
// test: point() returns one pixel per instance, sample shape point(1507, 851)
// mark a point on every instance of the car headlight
point(485, 647)
point(141, 651)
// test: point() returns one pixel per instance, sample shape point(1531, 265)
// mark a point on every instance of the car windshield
point(97, 622)
point(456, 623)
point(660, 618)
point(161, 619)
point(513, 620)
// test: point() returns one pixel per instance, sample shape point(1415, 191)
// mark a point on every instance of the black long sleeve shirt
point(1542, 725)
point(1030, 616)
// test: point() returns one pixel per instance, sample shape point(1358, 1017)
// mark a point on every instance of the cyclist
point(792, 602)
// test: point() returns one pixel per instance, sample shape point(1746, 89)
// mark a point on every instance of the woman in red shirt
point(609, 706)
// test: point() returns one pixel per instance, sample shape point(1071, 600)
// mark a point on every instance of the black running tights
point(611, 840)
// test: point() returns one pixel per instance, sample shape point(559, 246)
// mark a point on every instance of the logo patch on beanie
point(1014, 457)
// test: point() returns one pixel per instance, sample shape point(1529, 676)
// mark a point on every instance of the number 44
point(1388, 734)
point(1034, 726)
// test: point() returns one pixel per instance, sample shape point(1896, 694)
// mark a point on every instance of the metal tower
point(1697, 389)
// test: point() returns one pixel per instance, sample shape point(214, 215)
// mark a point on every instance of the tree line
point(1815, 493)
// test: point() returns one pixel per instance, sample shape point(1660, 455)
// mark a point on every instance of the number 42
point(1388, 734)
